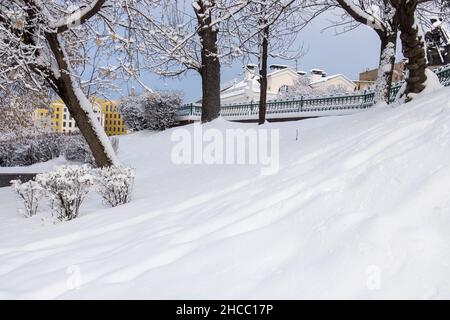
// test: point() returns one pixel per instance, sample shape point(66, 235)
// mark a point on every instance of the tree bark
point(64, 85)
point(263, 76)
point(210, 73)
point(413, 46)
point(386, 66)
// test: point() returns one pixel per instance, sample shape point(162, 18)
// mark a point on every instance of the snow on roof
point(278, 66)
point(240, 87)
point(325, 79)
point(280, 71)
point(226, 85)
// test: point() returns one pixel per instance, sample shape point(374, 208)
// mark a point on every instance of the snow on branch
point(78, 17)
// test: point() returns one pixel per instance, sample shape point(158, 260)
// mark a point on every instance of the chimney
point(276, 67)
point(249, 71)
point(317, 74)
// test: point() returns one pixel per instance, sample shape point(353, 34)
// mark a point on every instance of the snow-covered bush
point(31, 193)
point(27, 151)
point(298, 89)
point(302, 88)
point(160, 110)
point(132, 111)
point(67, 186)
point(77, 149)
point(153, 111)
point(115, 184)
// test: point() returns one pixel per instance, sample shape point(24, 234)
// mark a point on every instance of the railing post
point(301, 104)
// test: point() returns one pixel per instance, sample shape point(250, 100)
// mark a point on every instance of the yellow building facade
point(114, 124)
point(58, 118)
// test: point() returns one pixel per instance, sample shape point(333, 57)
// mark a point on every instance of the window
point(284, 89)
point(64, 123)
point(70, 124)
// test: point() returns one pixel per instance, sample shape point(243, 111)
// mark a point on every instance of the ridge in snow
point(359, 209)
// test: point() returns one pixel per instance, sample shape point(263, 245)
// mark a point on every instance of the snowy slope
point(359, 209)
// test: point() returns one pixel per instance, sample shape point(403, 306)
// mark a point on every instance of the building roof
point(325, 79)
point(229, 89)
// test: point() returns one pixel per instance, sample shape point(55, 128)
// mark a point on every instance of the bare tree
point(17, 107)
point(413, 45)
point(380, 16)
point(269, 28)
point(196, 38)
point(42, 43)
point(387, 17)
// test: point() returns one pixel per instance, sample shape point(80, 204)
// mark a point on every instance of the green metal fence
point(305, 105)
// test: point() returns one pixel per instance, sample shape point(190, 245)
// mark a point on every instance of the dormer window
point(283, 89)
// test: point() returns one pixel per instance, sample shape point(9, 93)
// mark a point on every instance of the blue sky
point(348, 53)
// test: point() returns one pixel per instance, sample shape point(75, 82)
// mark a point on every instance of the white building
point(68, 124)
point(280, 78)
point(334, 82)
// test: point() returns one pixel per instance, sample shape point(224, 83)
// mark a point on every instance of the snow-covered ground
point(37, 167)
point(360, 208)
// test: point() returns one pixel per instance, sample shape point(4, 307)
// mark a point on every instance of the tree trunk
point(413, 48)
point(210, 73)
point(74, 100)
point(386, 67)
point(263, 76)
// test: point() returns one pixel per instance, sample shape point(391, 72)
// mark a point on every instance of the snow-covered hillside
point(360, 208)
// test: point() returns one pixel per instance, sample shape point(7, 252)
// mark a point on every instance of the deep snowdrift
point(359, 209)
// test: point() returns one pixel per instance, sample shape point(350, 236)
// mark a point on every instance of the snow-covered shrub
point(299, 88)
point(27, 151)
point(67, 186)
point(153, 111)
point(115, 184)
point(77, 149)
point(31, 193)
point(132, 111)
point(47, 148)
point(160, 109)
